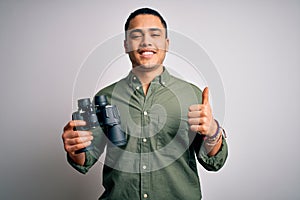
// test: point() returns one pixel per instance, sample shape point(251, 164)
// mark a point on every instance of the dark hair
point(145, 11)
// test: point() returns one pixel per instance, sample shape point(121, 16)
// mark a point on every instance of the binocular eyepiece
point(86, 111)
point(100, 114)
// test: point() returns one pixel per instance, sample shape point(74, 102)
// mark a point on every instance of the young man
point(167, 122)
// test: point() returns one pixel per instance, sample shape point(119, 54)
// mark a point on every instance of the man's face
point(146, 42)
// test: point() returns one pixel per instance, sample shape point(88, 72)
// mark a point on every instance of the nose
point(147, 41)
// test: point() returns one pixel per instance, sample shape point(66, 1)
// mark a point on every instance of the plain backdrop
point(254, 45)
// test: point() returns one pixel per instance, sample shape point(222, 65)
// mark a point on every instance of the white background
point(254, 45)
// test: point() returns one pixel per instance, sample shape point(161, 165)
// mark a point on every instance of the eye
point(155, 32)
point(155, 35)
point(135, 35)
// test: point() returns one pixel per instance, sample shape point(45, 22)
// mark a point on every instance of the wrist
point(77, 158)
point(215, 130)
point(211, 141)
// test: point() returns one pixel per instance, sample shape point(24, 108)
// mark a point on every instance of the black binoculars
point(101, 114)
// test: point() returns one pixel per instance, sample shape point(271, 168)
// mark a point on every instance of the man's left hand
point(200, 116)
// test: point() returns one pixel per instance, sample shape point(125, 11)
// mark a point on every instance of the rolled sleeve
point(90, 160)
point(212, 163)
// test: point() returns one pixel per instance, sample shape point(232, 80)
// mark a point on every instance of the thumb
point(205, 95)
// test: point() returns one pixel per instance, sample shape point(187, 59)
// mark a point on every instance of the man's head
point(145, 11)
point(146, 39)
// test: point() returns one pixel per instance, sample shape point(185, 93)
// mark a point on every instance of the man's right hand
point(75, 140)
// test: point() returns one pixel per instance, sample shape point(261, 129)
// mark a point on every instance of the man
point(167, 122)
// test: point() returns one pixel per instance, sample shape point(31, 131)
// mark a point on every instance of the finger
point(77, 123)
point(73, 148)
point(75, 134)
point(204, 112)
point(197, 121)
point(196, 107)
point(78, 140)
point(82, 145)
point(71, 124)
point(195, 128)
point(203, 129)
point(194, 114)
point(70, 134)
point(193, 121)
point(205, 95)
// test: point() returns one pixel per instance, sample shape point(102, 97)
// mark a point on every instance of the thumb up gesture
point(200, 116)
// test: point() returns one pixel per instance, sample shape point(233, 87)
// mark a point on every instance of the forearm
point(213, 142)
point(213, 149)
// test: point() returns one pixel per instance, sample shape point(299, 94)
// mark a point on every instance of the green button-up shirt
point(158, 162)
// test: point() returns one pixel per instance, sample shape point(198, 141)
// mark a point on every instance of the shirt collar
point(162, 79)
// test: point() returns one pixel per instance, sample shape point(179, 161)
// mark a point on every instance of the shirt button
point(144, 167)
point(145, 196)
point(145, 113)
point(137, 88)
point(144, 140)
point(134, 78)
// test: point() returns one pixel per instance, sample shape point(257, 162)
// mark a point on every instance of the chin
point(147, 67)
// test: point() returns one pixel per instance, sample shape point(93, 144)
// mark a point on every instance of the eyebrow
point(141, 31)
point(155, 29)
point(135, 31)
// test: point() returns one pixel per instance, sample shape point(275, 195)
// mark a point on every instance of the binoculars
point(101, 114)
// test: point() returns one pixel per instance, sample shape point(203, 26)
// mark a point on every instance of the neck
point(146, 76)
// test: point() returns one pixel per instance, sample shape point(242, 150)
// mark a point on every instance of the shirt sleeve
point(89, 162)
point(210, 163)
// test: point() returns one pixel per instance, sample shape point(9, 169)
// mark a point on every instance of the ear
point(126, 46)
point(167, 44)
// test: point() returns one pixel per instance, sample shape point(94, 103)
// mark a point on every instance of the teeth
point(147, 53)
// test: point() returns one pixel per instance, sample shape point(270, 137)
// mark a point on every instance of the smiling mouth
point(146, 52)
